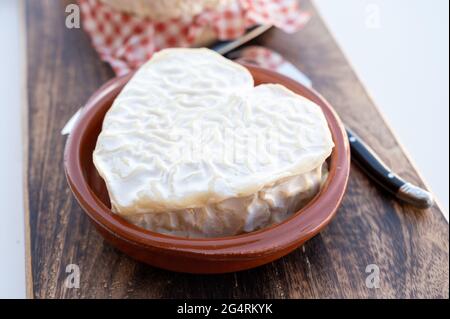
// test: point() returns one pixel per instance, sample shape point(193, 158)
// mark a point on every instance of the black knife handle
point(379, 172)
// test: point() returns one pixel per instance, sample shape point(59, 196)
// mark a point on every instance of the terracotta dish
point(217, 255)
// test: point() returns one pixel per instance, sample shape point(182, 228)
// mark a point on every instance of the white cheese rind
point(236, 215)
point(190, 130)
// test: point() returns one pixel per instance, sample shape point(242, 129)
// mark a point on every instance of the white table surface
point(399, 48)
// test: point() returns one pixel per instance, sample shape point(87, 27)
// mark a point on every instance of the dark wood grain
point(409, 246)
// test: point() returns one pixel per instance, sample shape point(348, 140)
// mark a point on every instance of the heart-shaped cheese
point(190, 129)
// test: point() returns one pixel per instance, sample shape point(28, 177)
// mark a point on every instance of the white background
point(399, 48)
point(12, 251)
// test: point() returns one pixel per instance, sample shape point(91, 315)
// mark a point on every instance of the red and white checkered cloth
point(126, 41)
point(260, 56)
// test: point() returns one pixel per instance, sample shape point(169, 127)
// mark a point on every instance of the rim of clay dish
point(295, 230)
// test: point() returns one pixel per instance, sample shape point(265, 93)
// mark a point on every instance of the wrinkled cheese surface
point(190, 147)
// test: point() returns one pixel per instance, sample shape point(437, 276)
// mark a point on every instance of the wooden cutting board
point(409, 246)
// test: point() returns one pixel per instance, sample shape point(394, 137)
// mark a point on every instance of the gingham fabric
point(271, 60)
point(126, 41)
point(260, 56)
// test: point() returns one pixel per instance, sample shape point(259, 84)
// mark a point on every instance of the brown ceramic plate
point(216, 255)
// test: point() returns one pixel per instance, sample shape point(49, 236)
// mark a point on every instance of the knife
point(224, 47)
point(381, 174)
point(362, 154)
